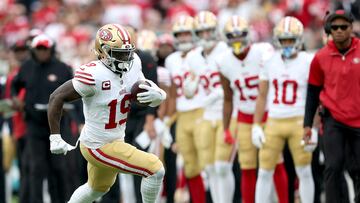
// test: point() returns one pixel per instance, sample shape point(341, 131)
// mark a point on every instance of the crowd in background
point(72, 24)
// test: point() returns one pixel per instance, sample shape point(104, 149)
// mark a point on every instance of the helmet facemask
point(238, 41)
point(182, 44)
point(118, 60)
point(209, 41)
point(288, 49)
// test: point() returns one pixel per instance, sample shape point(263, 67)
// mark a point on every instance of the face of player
point(205, 34)
point(287, 42)
point(340, 30)
point(184, 37)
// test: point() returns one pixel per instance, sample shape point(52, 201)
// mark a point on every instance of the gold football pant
point(248, 153)
point(277, 132)
point(188, 140)
point(107, 161)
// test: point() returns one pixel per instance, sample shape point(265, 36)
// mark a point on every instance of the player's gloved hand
point(58, 145)
point(154, 94)
point(310, 139)
point(191, 84)
point(257, 136)
point(228, 138)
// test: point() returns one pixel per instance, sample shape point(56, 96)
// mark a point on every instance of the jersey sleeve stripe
point(83, 73)
point(84, 77)
point(84, 80)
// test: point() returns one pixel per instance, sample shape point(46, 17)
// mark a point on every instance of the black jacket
point(39, 81)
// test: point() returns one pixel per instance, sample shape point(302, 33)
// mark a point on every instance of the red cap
point(42, 41)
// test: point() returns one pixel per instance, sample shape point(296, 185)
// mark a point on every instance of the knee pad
point(160, 173)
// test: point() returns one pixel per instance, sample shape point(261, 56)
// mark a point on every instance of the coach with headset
point(334, 81)
point(40, 76)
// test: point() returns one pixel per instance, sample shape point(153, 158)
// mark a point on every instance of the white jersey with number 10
point(287, 84)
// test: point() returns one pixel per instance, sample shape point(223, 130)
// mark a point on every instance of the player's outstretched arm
point(64, 93)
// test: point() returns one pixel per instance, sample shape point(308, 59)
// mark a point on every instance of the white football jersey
point(243, 75)
point(287, 84)
point(106, 99)
point(206, 68)
point(176, 64)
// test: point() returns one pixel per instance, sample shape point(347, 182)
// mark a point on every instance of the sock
point(307, 187)
point(212, 178)
point(85, 194)
point(281, 183)
point(225, 182)
point(248, 185)
point(263, 186)
point(197, 189)
point(150, 186)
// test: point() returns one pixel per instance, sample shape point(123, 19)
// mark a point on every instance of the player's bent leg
point(119, 156)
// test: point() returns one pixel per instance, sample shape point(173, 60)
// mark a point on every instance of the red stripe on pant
point(112, 165)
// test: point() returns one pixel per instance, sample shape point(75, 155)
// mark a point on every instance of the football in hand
point(135, 89)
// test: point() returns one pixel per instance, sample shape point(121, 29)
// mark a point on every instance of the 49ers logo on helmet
point(105, 35)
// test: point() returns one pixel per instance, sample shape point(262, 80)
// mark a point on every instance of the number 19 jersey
point(106, 101)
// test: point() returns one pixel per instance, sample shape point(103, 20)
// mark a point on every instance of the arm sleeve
point(312, 103)
point(316, 74)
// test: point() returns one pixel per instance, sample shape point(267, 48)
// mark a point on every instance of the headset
point(327, 25)
point(329, 17)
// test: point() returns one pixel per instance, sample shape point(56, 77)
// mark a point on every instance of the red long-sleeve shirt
point(339, 75)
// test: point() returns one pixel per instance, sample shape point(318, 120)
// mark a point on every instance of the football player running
point(283, 84)
point(104, 87)
point(202, 65)
point(189, 110)
point(239, 71)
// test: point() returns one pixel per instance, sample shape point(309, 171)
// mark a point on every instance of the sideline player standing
point(202, 63)
point(104, 86)
point(239, 68)
point(189, 110)
point(283, 83)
